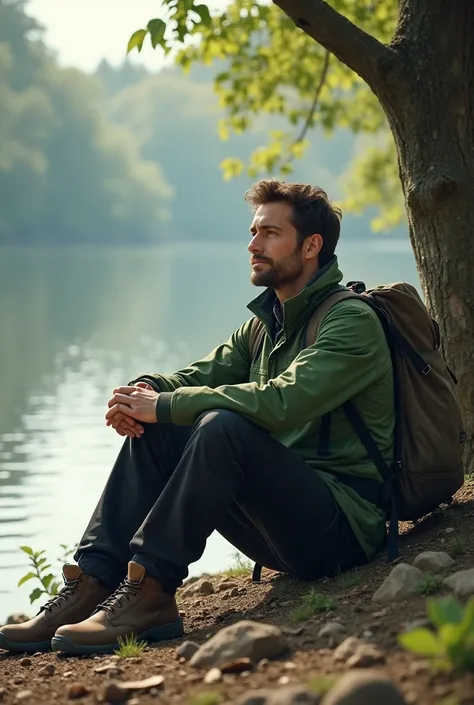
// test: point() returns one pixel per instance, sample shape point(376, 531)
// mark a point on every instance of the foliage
point(349, 579)
point(457, 547)
point(451, 646)
point(206, 698)
point(430, 583)
point(81, 178)
point(241, 566)
point(130, 647)
point(40, 571)
point(321, 684)
point(313, 603)
point(269, 67)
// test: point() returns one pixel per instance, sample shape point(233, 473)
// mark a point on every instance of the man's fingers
point(144, 385)
point(118, 407)
point(125, 390)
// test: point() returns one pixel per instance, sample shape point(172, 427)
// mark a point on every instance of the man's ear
point(313, 245)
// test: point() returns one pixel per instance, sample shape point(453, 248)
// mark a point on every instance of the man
point(234, 445)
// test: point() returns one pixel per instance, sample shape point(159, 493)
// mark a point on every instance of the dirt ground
point(273, 601)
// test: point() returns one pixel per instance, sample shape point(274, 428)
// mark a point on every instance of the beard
point(278, 273)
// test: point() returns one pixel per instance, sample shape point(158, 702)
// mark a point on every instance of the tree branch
point(361, 52)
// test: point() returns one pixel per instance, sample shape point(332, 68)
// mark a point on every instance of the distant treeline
point(123, 156)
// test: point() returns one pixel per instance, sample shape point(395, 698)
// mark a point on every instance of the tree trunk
point(430, 107)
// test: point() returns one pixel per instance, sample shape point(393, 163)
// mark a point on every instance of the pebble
point(293, 631)
point(214, 675)
point(449, 530)
point(433, 561)
point(67, 674)
point(333, 633)
point(76, 691)
point(283, 680)
point(365, 656)
point(26, 662)
point(347, 649)
point(23, 694)
point(48, 670)
point(364, 688)
point(114, 693)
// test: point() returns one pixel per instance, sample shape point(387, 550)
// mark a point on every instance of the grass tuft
point(349, 579)
point(206, 698)
point(321, 684)
point(457, 547)
point(130, 647)
point(241, 566)
point(312, 603)
point(430, 584)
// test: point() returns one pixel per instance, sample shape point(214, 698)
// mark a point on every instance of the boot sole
point(26, 648)
point(175, 630)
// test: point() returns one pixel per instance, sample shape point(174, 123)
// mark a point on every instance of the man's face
point(276, 258)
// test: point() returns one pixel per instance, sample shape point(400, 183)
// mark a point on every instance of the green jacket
point(288, 388)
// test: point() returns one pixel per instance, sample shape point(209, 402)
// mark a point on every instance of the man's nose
point(254, 246)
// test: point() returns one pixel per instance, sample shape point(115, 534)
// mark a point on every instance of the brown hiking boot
point(138, 607)
point(76, 601)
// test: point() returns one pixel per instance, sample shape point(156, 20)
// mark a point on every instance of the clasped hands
point(128, 406)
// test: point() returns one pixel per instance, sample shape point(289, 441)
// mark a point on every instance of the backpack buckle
point(426, 370)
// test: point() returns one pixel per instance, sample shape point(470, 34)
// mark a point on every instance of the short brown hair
point(313, 212)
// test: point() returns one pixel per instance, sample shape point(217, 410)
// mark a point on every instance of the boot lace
point(123, 593)
point(63, 596)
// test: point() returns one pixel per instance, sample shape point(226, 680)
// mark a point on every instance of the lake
point(75, 323)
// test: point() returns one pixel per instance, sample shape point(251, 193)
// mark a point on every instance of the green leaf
point(36, 594)
point(27, 550)
point(421, 641)
point(444, 611)
point(54, 588)
point(204, 14)
point(136, 40)
point(47, 580)
point(25, 578)
point(467, 624)
point(157, 29)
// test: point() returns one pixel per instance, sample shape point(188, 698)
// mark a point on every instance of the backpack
point(429, 435)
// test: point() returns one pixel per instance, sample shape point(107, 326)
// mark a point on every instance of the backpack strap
point(256, 336)
point(324, 308)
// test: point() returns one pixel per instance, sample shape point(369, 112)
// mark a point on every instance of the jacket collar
point(298, 309)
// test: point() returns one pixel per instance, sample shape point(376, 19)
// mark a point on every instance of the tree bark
point(424, 81)
point(432, 121)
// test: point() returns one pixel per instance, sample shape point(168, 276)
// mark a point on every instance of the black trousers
point(169, 490)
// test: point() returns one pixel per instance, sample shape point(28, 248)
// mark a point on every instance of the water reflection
point(76, 323)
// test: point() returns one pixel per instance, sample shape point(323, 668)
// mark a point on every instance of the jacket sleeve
point(350, 353)
point(228, 364)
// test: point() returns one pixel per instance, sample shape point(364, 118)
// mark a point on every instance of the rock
point(347, 649)
point(26, 662)
point(401, 584)
point(240, 665)
point(367, 635)
point(461, 583)
point(433, 561)
point(333, 633)
point(66, 674)
point(287, 603)
point(365, 656)
point(17, 618)
point(213, 676)
point(202, 587)
point(23, 694)
point(380, 613)
point(244, 639)
point(145, 684)
point(283, 680)
point(291, 695)
point(114, 693)
point(449, 530)
point(289, 665)
point(293, 631)
point(76, 691)
point(364, 688)
point(186, 650)
point(111, 669)
point(226, 585)
point(420, 623)
point(48, 670)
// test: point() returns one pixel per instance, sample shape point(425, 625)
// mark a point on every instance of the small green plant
point(312, 603)
point(241, 566)
point(206, 698)
point(321, 684)
point(40, 571)
point(130, 647)
point(430, 584)
point(451, 646)
point(349, 579)
point(457, 547)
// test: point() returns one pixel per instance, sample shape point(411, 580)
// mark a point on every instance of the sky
point(83, 32)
